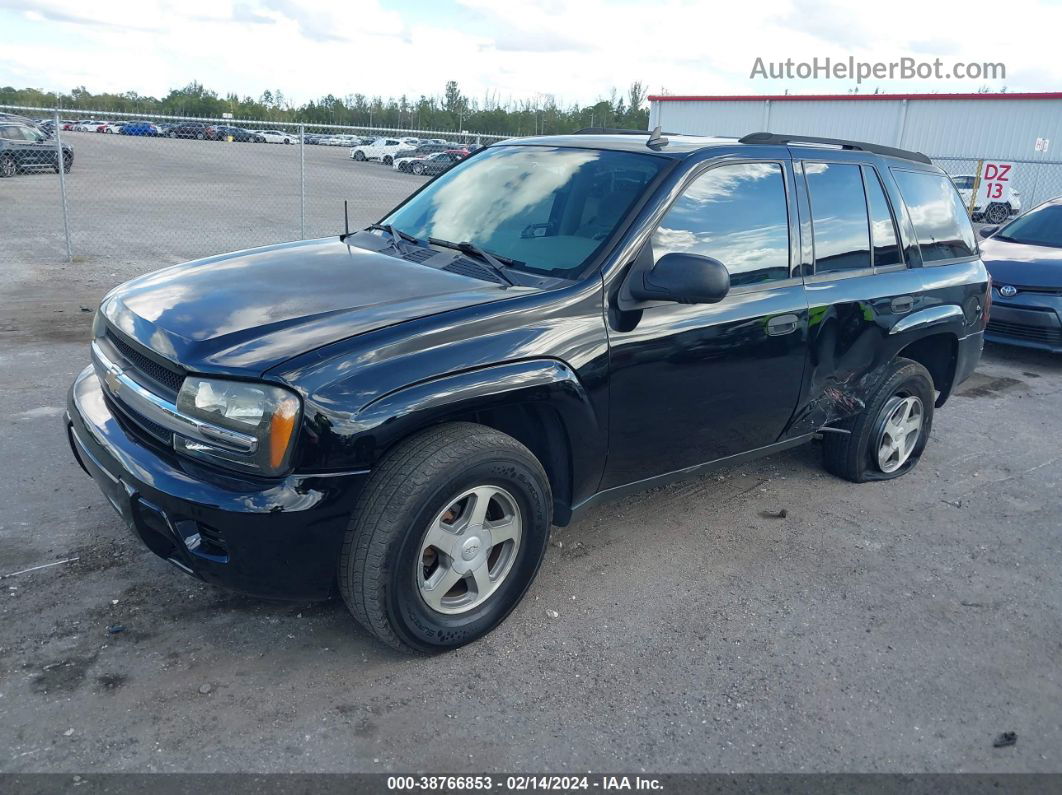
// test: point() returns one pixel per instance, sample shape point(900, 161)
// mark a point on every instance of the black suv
point(25, 148)
point(189, 129)
point(402, 412)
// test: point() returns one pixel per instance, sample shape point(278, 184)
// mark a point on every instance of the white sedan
point(114, 127)
point(275, 136)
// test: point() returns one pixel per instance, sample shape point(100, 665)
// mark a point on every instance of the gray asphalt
point(895, 626)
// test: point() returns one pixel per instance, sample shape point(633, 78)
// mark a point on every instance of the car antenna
point(656, 139)
point(346, 221)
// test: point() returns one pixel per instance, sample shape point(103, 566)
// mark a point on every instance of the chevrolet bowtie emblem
point(110, 380)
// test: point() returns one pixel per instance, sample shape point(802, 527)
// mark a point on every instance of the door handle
point(783, 324)
point(902, 305)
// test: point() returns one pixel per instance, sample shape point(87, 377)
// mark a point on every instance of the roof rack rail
point(782, 139)
point(613, 131)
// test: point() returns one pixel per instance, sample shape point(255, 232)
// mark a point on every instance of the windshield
point(1041, 226)
point(547, 208)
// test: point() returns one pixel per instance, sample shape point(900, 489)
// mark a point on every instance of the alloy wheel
point(900, 429)
point(469, 549)
point(997, 213)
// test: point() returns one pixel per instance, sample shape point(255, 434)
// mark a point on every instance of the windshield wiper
point(396, 234)
point(495, 262)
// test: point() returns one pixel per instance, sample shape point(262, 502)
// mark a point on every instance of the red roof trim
point(843, 97)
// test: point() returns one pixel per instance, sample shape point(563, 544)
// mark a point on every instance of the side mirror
point(683, 278)
point(987, 231)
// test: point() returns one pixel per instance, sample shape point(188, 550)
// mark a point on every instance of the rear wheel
point(7, 166)
point(446, 538)
point(199, 136)
point(173, 135)
point(359, 156)
point(887, 438)
point(997, 213)
point(418, 168)
point(387, 160)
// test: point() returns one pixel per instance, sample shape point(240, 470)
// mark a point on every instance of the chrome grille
point(143, 364)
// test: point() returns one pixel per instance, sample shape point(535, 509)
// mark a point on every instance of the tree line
point(451, 110)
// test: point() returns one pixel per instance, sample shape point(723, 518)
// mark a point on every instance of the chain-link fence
point(159, 189)
point(1032, 181)
point(165, 189)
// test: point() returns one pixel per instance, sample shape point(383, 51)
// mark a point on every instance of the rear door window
point(940, 221)
point(839, 222)
point(882, 223)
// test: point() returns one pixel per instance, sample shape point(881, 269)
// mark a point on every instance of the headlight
point(266, 413)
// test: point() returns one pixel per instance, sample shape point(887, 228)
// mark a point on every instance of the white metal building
point(955, 130)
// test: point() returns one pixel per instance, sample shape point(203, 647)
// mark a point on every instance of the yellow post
point(976, 186)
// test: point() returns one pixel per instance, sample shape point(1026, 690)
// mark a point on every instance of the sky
point(576, 51)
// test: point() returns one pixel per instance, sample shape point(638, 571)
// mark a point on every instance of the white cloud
point(517, 49)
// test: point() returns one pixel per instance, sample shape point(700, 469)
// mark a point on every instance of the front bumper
point(277, 538)
point(1029, 319)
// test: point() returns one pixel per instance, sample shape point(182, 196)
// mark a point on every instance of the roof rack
point(613, 131)
point(781, 139)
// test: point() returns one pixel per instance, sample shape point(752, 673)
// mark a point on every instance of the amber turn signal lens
point(281, 428)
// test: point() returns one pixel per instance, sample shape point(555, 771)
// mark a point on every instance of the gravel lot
point(895, 626)
point(130, 198)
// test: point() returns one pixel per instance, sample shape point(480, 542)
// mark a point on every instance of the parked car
point(221, 132)
point(188, 129)
point(68, 125)
point(382, 149)
point(275, 136)
point(997, 211)
point(25, 148)
point(111, 127)
point(403, 157)
point(140, 128)
point(402, 413)
point(88, 125)
point(1024, 259)
point(433, 164)
point(339, 140)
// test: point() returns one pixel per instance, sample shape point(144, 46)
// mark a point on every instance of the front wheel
point(418, 168)
point(359, 155)
point(888, 437)
point(7, 166)
point(446, 538)
point(387, 160)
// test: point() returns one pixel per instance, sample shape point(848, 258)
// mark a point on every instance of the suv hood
point(246, 312)
point(1022, 264)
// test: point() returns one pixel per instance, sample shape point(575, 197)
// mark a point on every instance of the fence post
point(302, 181)
point(62, 182)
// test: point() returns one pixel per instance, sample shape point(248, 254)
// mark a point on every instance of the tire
point(997, 213)
point(384, 561)
point(387, 160)
point(418, 168)
point(173, 135)
point(8, 167)
point(906, 387)
point(359, 156)
point(68, 163)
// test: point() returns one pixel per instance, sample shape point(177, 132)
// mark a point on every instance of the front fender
point(538, 383)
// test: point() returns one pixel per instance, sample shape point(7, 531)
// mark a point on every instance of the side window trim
point(816, 276)
point(791, 217)
point(871, 172)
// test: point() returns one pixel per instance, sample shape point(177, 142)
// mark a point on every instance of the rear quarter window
point(940, 221)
